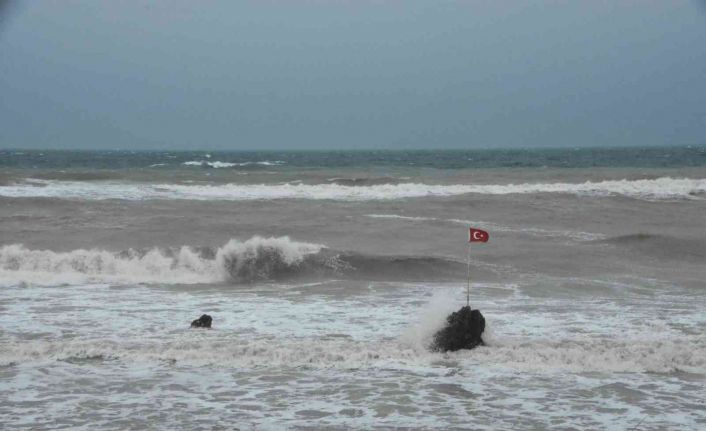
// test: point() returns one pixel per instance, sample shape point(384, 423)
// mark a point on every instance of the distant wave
point(257, 259)
point(402, 217)
point(575, 235)
point(652, 189)
point(633, 238)
point(217, 164)
point(662, 246)
point(366, 181)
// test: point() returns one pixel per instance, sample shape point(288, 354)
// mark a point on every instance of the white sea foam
point(661, 188)
point(430, 319)
point(384, 331)
point(279, 353)
point(401, 217)
point(659, 356)
point(217, 164)
point(531, 355)
point(20, 265)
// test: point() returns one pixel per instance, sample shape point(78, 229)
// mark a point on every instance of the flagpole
point(468, 277)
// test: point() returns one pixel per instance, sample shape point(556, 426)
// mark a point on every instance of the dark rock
point(202, 322)
point(463, 330)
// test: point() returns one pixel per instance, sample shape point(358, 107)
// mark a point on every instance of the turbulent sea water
point(327, 273)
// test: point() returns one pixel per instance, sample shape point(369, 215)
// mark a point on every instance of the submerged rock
point(202, 322)
point(463, 330)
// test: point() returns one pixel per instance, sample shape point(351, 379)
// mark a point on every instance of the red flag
point(477, 235)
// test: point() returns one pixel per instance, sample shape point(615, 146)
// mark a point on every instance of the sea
point(327, 273)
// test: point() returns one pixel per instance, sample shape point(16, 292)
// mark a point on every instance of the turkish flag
point(477, 235)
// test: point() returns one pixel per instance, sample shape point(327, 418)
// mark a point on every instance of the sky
point(257, 75)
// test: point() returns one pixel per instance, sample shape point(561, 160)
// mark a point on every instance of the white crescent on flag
point(477, 235)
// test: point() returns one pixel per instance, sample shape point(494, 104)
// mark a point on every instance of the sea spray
point(431, 318)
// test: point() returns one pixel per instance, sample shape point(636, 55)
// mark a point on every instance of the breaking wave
point(651, 189)
point(217, 164)
point(366, 181)
point(257, 259)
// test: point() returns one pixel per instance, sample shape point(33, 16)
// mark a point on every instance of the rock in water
point(463, 331)
point(202, 322)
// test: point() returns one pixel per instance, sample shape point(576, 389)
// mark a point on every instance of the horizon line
point(353, 150)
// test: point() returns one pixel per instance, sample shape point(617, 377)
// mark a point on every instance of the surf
point(664, 188)
point(258, 259)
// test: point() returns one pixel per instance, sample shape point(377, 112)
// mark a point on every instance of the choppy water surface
point(327, 275)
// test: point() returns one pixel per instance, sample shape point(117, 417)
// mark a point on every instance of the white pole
point(468, 277)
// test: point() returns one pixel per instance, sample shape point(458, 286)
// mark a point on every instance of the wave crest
point(217, 164)
point(257, 259)
point(650, 189)
point(263, 258)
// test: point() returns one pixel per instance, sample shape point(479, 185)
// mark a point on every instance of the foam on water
point(384, 330)
point(298, 357)
point(651, 189)
point(664, 356)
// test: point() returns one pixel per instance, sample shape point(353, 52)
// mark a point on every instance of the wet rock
point(202, 322)
point(463, 330)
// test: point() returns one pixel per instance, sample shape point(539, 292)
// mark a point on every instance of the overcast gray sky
point(352, 74)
